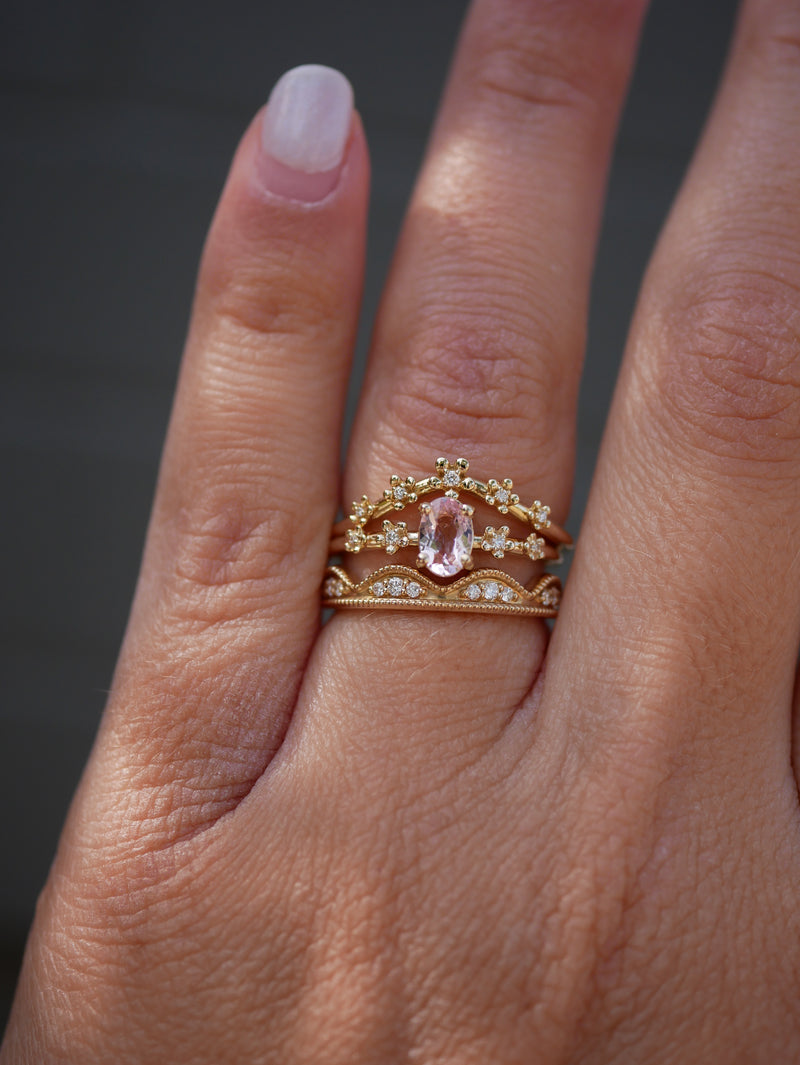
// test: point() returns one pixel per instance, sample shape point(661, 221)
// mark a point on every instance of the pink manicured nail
point(304, 134)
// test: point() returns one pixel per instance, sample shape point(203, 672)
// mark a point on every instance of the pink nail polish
point(305, 130)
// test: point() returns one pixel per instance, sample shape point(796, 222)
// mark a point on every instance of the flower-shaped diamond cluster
point(362, 510)
point(395, 536)
point(401, 491)
point(452, 475)
point(355, 539)
point(495, 540)
point(540, 514)
point(500, 494)
point(534, 547)
point(550, 597)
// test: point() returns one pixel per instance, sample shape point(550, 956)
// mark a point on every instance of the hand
point(431, 838)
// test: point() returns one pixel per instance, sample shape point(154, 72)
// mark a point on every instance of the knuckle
point(507, 73)
point(196, 724)
point(727, 371)
point(475, 382)
point(286, 300)
point(230, 554)
point(551, 55)
point(260, 277)
point(627, 874)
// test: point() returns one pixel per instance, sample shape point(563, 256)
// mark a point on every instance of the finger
point(480, 335)
point(684, 596)
point(228, 601)
point(481, 332)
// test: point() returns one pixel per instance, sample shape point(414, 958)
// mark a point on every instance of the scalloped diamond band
point(487, 591)
point(444, 543)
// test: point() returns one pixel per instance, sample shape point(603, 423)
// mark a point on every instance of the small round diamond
point(473, 592)
point(501, 496)
point(550, 597)
point(452, 478)
point(413, 590)
point(362, 511)
point(394, 536)
point(399, 492)
point(333, 587)
point(534, 547)
point(541, 515)
point(491, 590)
point(496, 541)
point(354, 540)
point(395, 586)
point(508, 595)
point(379, 588)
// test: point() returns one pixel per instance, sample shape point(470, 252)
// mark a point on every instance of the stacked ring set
point(445, 541)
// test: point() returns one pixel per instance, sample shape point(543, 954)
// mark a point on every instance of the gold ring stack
point(445, 540)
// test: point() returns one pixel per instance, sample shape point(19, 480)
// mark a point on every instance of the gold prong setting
point(534, 547)
point(496, 540)
point(500, 494)
point(452, 476)
point(395, 537)
point(361, 511)
point(540, 515)
point(355, 539)
point(400, 493)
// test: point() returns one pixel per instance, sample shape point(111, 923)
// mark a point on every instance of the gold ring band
point(497, 542)
point(445, 541)
point(401, 588)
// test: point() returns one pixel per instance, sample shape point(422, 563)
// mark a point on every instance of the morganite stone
point(445, 537)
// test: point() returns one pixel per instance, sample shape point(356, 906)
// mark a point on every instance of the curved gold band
point(484, 591)
point(497, 542)
point(452, 479)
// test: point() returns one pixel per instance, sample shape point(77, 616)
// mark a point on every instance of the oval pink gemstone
point(445, 537)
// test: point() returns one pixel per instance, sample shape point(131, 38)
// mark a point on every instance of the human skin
point(443, 839)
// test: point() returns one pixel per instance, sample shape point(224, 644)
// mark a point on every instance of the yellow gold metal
point(485, 591)
point(451, 478)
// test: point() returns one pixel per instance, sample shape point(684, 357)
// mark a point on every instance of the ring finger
point(480, 337)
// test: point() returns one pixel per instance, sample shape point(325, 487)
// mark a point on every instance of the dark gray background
point(118, 121)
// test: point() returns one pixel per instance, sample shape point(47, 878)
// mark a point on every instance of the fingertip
point(303, 162)
point(270, 214)
point(305, 129)
point(310, 138)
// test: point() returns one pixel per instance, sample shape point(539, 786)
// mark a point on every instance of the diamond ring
point(444, 542)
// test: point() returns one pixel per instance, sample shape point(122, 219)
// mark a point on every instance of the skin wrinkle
point(241, 323)
point(238, 745)
point(658, 937)
point(542, 63)
point(232, 388)
point(771, 40)
point(741, 336)
point(482, 356)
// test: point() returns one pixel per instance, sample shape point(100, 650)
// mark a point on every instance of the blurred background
point(118, 121)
